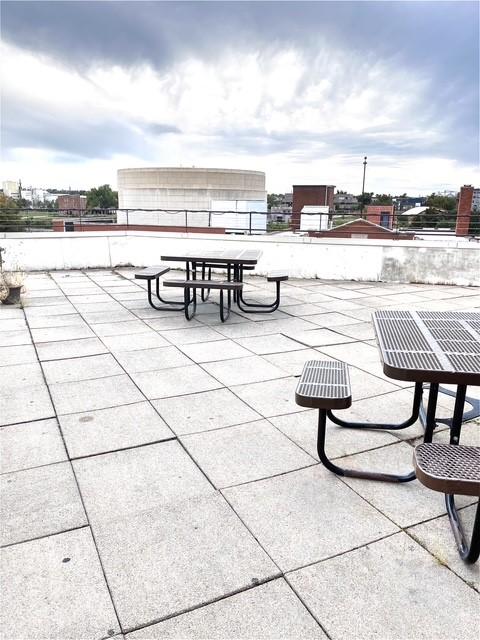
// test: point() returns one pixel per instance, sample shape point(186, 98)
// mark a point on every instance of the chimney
point(464, 210)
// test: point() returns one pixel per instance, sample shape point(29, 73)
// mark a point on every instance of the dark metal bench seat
point(452, 469)
point(325, 385)
point(154, 273)
point(253, 307)
point(191, 300)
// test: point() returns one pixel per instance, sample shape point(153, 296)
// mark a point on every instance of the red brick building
point(316, 195)
point(361, 229)
point(381, 214)
point(72, 202)
point(464, 210)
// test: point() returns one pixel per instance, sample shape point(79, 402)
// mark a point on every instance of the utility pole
point(363, 184)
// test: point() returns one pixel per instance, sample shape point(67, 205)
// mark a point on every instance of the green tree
point(102, 198)
point(447, 203)
point(383, 198)
point(11, 219)
point(366, 199)
point(274, 199)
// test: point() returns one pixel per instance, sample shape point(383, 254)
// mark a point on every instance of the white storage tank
point(192, 189)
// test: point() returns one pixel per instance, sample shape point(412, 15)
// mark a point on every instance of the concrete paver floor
point(159, 481)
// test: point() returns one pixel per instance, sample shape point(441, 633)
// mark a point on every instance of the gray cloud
point(29, 126)
point(437, 39)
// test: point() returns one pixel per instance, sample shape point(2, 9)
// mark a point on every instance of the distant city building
point(403, 203)
point(282, 211)
point(345, 202)
point(34, 195)
point(72, 202)
point(476, 201)
point(380, 214)
point(362, 229)
point(467, 200)
point(11, 188)
point(321, 195)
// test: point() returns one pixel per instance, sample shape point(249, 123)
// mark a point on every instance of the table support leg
point(351, 473)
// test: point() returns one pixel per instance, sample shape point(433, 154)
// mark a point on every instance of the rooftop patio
point(158, 479)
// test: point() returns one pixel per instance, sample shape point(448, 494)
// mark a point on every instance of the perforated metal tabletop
point(430, 346)
point(228, 256)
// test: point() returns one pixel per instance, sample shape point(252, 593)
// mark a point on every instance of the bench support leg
point(468, 553)
point(417, 399)
point(178, 305)
point(351, 473)
point(189, 301)
point(224, 314)
point(250, 307)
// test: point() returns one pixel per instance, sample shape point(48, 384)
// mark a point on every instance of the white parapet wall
point(434, 262)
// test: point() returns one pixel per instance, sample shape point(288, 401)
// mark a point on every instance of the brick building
point(464, 210)
point(381, 214)
point(72, 202)
point(316, 195)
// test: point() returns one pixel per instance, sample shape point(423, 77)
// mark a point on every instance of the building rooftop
point(158, 479)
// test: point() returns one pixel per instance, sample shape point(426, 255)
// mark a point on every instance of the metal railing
point(248, 223)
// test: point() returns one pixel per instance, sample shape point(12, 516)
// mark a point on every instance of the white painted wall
point(432, 262)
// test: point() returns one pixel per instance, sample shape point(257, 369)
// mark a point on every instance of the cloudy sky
point(300, 90)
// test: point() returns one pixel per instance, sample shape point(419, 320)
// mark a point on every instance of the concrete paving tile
point(50, 301)
point(54, 588)
point(292, 362)
point(107, 317)
point(174, 382)
point(24, 404)
point(305, 309)
point(38, 502)
point(70, 349)
point(75, 369)
point(360, 331)
point(214, 351)
point(11, 312)
point(13, 324)
point(21, 375)
point(437, 537)
point(243, 370)
point(45, 322)
point(332, 319)
point(166, 560)
point(400, 575)
point(190, 336)
point(55, 334)
point(30, 444)
point(15, 337)
point(104, 430)
point(244, 453)
point(130, 327)
point(270, 398)
point(270, 611)
point(152, 359)
point(306, 516)
point(137, 342)
point(302, 428)
point(275, 343)
point(123, 483)
point(65, 308)
point(204, 411)
point(19, 354)
point(87, 395)
point(405, 503)
point(318, 337)
point(167, 320)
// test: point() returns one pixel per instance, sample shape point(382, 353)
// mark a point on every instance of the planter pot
point(13, 296)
